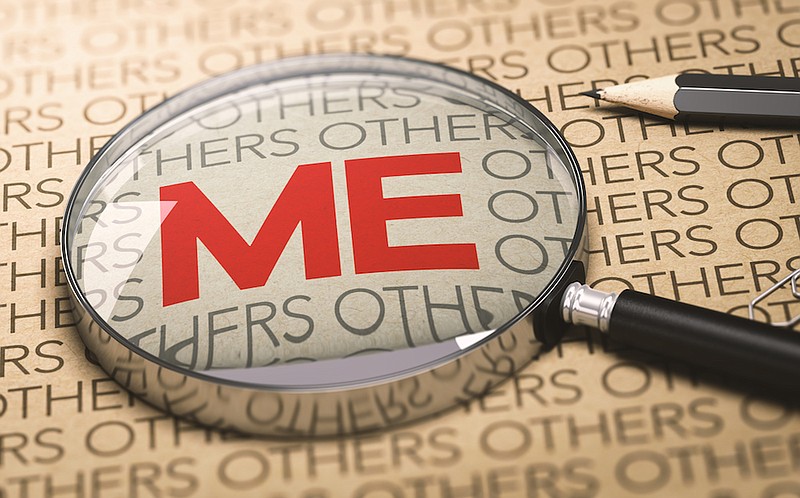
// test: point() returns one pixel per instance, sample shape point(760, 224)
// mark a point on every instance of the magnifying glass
point(336, 244)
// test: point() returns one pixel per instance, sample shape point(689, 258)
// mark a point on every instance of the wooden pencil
point(709, 96)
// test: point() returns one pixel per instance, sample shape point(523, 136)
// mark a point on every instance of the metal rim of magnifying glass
point(410, 389)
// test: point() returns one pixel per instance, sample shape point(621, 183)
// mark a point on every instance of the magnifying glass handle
point(729, 344)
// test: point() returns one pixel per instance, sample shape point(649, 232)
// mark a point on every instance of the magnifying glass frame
point(330, 397)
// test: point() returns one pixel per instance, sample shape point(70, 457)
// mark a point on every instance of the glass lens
point(321, 213)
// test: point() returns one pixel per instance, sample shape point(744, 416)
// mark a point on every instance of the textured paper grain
point(693, 212)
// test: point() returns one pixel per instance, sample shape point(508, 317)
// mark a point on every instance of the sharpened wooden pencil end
point(653, 96)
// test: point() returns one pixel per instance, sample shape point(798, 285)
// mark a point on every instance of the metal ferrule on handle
point(583, 305)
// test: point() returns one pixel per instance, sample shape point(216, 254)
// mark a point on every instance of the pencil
point(709, 96)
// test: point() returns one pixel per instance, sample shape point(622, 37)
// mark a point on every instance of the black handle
point(718, 341)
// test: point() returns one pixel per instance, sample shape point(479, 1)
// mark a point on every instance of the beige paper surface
point(697, 213)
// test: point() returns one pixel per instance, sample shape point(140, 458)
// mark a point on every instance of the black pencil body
point(742, 97)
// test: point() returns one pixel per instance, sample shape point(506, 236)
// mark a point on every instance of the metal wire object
point(790, 279)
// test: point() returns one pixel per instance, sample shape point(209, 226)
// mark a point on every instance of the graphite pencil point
point(592, 93)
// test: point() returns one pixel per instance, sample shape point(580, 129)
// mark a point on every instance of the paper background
point(705, 215)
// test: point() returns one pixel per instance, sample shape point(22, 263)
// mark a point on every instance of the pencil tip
point(595, 94)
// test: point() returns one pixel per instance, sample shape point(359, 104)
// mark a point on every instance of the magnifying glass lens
point(325, 210)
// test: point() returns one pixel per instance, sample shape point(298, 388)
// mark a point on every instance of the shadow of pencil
point(722, 123)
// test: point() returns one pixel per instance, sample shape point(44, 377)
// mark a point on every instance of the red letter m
point(307, 200)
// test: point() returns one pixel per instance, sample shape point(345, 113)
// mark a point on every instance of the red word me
point(307, 200)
